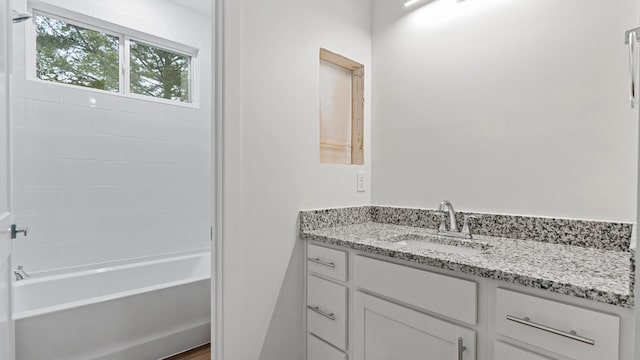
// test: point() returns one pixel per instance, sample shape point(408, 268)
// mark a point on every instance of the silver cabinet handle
point(570, 335)
point(632, 65)
point(330, 316)
point(630, 39)
point(461, 348)
point(323, 263)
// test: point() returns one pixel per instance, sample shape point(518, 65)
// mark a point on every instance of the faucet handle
point(443, 220)
point(466, 230)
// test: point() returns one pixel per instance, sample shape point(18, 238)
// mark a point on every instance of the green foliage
point(159, 73)
point(73, 55)
point(70, 54)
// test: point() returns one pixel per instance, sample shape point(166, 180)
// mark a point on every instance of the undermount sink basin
point(440, 244)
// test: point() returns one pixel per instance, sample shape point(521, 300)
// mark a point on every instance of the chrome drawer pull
point(461, 348)
point(631, 37)
point(330, 316)
point(570, 335)
point(323, 263)
point(632, 65)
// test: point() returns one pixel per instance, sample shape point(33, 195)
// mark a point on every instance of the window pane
point(160, 73)
point(70, 54)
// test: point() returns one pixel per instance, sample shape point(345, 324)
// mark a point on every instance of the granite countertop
point(596, 274)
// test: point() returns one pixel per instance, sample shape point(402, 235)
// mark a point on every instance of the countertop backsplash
point(603, 235)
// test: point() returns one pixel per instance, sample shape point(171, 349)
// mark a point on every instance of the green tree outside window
point(70, 54)
point(159, 73)
point(74, 55)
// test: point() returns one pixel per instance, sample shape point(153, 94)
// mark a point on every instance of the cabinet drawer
point(564, 329)
point(327, 262)
point(327, 311)
point(508, 352)
point(441, 294)
point(319, 350)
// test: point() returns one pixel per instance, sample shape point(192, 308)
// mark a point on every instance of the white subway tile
point(30, 142)
point(39, 257)
point(47, 171)
point(38, 200)
point(102, 177)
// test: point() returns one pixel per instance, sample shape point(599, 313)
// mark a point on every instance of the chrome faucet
point(446, 208)
point(446, 205)
point(20, 273)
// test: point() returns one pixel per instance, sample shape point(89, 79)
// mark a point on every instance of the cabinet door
point(387, 331)
point(508, 352)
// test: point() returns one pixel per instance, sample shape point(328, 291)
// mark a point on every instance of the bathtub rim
point(133, 260)
point(110, 297)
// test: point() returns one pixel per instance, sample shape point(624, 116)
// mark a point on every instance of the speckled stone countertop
point(598, 274)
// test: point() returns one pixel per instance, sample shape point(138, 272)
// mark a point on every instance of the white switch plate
point(361, 181)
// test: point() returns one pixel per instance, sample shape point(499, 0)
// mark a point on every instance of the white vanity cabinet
point(327, 303)
point(365, 307)
point(385, 330)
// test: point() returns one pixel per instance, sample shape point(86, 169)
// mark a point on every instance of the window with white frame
point(74, 53)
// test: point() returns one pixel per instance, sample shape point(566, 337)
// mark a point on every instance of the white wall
point(504, 106)
point(101, 177)
point(271, 160)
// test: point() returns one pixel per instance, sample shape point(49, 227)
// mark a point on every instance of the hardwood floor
point(201, 353)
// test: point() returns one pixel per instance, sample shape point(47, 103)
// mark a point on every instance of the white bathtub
point(132, 311)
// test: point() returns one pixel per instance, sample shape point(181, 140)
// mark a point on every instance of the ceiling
point(201, 6)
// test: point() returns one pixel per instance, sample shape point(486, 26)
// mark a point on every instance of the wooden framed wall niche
point(341, 109)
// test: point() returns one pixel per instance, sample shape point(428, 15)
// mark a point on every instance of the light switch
point(361, 181)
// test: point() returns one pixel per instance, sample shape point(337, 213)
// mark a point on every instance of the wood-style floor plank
point(201, 353)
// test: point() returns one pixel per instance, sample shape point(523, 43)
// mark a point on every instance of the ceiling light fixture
point(410, 2)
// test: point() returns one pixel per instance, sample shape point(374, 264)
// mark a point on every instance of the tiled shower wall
point(99, 177)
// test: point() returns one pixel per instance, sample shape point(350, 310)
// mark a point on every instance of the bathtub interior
point(66, 290)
